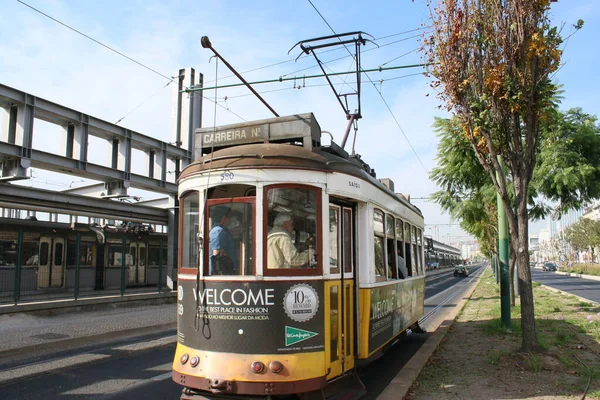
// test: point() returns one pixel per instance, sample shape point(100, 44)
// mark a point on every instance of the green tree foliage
point(568, 167)
point(567, 174)
point(584, 234)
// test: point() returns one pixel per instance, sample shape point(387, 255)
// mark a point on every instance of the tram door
point(136, 263)
point(339, 292)
point(51, 272)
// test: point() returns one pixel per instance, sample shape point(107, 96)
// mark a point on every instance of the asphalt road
point(586, 288)
point(141, 367)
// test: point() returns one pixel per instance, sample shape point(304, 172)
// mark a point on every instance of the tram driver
point(223, 251)
point(281, 251)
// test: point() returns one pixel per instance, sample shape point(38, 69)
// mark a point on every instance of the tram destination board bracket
point(299, 128)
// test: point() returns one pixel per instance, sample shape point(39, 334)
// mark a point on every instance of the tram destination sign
point(298, 128)
point(232, 135)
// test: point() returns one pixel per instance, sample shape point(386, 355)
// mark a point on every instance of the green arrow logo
point(295, 335)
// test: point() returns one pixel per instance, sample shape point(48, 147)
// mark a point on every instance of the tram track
point(450, 297)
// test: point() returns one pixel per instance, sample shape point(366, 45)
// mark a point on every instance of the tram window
point(86, 253)
point(58, 254)
point(334, 319)
point(378, 222)
point(292, 231)
point(334, 237)
point(44, 253)
point(401, 262)
point(348, 240)
point(8, 248)
point(115, 254)
point(230, 244)
point(416, 258)
point(154, 254)
point(407, 250)
point(390, 228)
point(190, 208)
point(131, 258)
point(420, 250)
point(31, 253)
point(380, 265)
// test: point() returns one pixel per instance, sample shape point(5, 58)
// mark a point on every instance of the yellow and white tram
point(271, 322)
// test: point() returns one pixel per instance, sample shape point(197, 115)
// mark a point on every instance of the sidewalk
point(27, 334)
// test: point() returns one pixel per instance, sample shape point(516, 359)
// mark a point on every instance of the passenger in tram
point(281, 252)
point(223, 252)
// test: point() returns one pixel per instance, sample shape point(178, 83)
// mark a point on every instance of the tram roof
point(273, 155)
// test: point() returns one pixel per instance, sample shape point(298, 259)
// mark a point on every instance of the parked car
point(549, 267)
point(461, 270)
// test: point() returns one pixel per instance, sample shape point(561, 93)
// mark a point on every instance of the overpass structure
point(18, 155)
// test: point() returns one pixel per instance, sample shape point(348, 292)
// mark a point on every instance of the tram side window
point(292, 231)
point(420, 251)
point(401, 261)
point(115, 254)
point(416, 258)
point(380, 270)
point(334, 248)
point(31, 250)
point(154, 253)
point(407, 250)
point(189, 209)
point(392, 261)
point(8, 249)
point(86, 253)
point(230, 245)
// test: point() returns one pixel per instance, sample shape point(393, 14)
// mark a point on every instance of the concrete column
point(187, 110)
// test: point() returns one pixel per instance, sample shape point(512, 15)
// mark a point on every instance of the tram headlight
point(194, 361)
point(257, 367)
point(276, 366)
point(184, 358)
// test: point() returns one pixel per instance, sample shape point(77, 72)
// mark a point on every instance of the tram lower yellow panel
point(364, 305)
point(236, 367)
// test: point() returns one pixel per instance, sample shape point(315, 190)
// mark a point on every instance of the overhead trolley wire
point(96, 41)
point(314, 86)
point(327, 51)
point(378, 91)
point(171, 79)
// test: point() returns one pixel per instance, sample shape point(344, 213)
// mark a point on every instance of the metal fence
point(36, 268)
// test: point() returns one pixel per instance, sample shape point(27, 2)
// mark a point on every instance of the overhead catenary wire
point(170, 78)
point(303, 56)
point(281, 79)
point(314, 86)
point(380, 95)
point(96, 41)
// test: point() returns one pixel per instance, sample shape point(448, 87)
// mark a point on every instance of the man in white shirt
point(281, 252)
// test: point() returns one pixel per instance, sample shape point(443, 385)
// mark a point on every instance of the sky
point(395, 136)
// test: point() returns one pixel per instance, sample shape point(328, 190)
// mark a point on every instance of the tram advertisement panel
point(251, 317)
point(393, 309)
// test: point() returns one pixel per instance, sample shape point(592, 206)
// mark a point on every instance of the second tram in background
point(296, 263)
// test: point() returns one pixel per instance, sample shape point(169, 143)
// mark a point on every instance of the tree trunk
point(513, 260)
point(520, 242)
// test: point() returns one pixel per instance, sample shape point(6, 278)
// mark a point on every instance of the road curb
point(45, 348)
point(402, 382)
point(568, 294)
point(590, 277)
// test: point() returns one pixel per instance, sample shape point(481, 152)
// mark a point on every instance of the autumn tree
point(492, 61)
